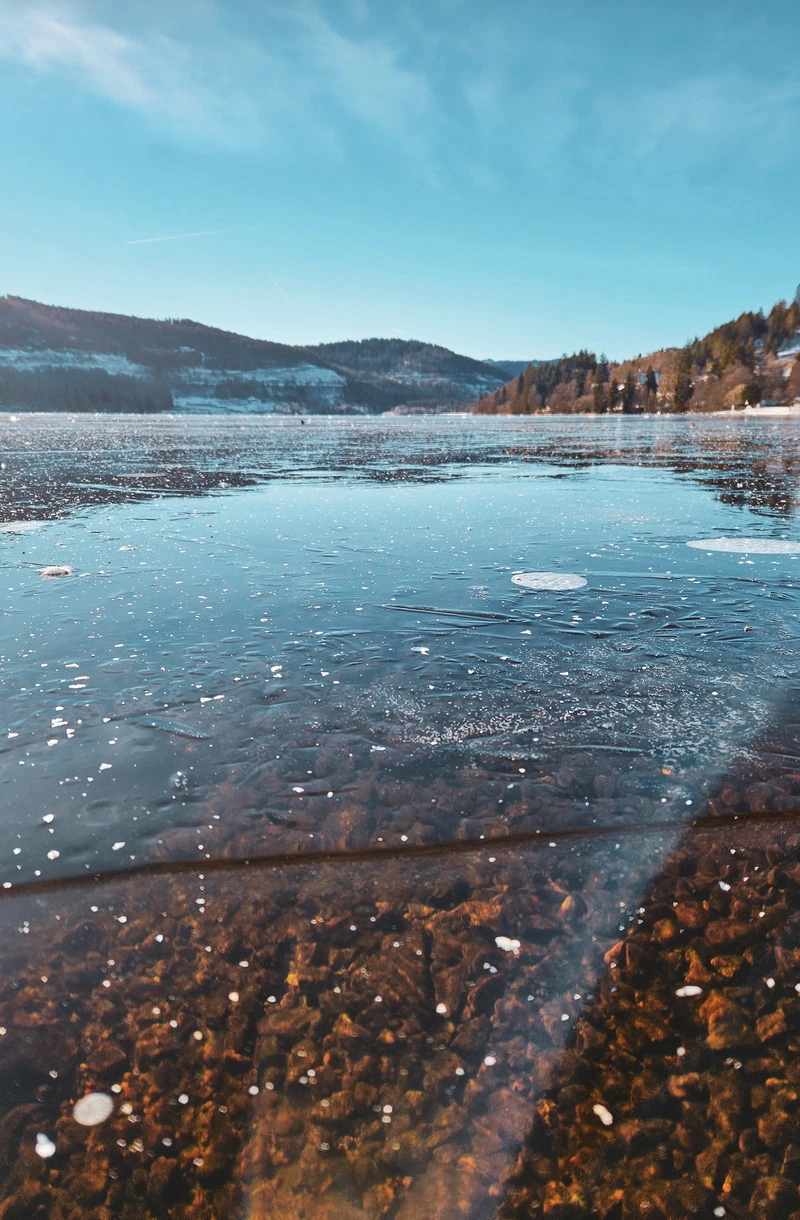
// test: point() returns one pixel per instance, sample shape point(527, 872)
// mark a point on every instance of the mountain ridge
point(52, 357)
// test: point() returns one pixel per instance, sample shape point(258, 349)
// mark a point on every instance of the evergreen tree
point(751, 394)
point(684, 389)
point(599, 396)
point(651, 381)
point(520, 384)
point(629, 394)
point(612, 395)
point(526, 390)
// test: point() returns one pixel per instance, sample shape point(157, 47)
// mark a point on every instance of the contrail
point(141, 241)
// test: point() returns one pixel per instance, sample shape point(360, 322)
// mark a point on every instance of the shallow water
point(282, 639)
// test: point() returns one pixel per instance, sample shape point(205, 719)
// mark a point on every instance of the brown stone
point(776, 1130)
point(689, 1085)
point(106, 1056)
point(666, 931)
point(728, 965)
point(771, 1026)
point(773, 1198)
point(728, 1027)
point(728, 933)
point(712, 1164)
point(683, 1198)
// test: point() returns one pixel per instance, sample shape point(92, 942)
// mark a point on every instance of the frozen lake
point(398, 816)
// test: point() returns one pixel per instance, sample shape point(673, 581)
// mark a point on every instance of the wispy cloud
point(145, 241)
point(457, 93)
point(203, 81)
point(710, 114)
point(155, 75)
point(365, 77)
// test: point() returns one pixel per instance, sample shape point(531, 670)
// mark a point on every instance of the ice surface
point(316, 629)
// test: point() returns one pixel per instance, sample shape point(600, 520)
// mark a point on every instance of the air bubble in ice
point(553, 582)
point(92, 1109)
point(44, 1147)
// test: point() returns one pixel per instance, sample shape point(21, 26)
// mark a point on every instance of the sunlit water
point(279, 638)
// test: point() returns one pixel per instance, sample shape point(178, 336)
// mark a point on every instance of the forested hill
point(754, 358)
point(395, 356)
point(53, 358)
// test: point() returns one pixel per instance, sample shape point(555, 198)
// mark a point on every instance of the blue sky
point(512, 179)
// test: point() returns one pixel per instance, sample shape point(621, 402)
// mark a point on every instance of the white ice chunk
point(56, 570)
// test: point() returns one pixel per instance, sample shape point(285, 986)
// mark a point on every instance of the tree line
point(77, 390)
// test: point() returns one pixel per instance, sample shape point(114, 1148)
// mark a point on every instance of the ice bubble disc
point(688, 991)
point(605, 1116)
point(507, 944)
point(92, 1109)
point(747, 546)
point(552, 582)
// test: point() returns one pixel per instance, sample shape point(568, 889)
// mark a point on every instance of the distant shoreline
point(11, 415)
